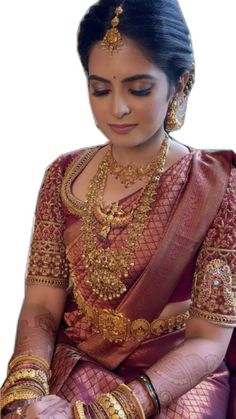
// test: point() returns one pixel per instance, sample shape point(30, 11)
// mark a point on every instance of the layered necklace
point(106, 267)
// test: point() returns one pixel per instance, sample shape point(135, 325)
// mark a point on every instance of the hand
point(49, 407)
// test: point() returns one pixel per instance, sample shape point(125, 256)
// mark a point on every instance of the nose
point(119, 106)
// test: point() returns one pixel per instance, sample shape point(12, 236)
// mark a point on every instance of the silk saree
point(187, 251)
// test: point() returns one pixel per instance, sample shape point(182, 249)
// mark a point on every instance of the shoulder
point(63, 161)
point(214, 155)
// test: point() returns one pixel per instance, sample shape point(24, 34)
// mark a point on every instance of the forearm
point(180, 370)
point(36, 332)
point(29, 366)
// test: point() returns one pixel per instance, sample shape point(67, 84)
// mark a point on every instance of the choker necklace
point(129, 174)
point(107, 266)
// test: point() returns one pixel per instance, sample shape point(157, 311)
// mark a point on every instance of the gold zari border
point(220, 319)
point(48, 281)
point(115, 327)
point(74, 169)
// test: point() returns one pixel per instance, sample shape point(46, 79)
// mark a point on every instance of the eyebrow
point(126, 80)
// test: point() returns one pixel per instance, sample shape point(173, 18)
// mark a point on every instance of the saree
point(103, 343)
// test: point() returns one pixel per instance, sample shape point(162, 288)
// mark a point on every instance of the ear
point(179, 88)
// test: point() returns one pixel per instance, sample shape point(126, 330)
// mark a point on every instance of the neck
point(140, 154)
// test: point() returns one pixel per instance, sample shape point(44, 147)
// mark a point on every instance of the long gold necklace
point(111, 216)
point(106, 267)
point(130, 173)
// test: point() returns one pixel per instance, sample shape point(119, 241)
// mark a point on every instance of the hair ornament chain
point(112, 40)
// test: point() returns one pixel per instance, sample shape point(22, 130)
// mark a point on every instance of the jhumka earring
point(177, 109)
point(112, 40)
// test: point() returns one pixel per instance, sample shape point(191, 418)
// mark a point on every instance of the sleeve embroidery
point(214, 288)
point(47, 261)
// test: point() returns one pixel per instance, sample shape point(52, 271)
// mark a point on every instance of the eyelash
point(144, 92)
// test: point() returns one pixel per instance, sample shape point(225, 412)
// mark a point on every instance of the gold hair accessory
point(112, 40)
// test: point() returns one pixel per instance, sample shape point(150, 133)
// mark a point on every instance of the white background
point(44, 112)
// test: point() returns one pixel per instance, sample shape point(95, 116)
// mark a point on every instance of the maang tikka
point(112, 40)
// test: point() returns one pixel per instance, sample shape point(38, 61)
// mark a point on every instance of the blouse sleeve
point(47, 263)
point(214, 287)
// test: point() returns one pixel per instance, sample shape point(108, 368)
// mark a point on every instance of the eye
point(98, 93)
point(141, 92)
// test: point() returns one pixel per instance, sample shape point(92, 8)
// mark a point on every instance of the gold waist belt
point(115, 327)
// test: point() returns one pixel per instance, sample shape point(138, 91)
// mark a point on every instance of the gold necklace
point(129, 174)
point(107, 266)
point(111, 216)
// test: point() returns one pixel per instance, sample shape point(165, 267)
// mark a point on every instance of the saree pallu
point(85, 363)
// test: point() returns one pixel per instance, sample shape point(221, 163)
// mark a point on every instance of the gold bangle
point(36, 375)
point(129, 408)
point(25, 358)
point(129, 392)
point(98, 410)
point(18, 395)
point(22, 387)
point(78, 410)
point(111, 406)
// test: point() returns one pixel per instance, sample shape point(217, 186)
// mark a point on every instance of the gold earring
point(176, 113)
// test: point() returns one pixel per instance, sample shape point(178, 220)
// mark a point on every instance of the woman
point(133, 257)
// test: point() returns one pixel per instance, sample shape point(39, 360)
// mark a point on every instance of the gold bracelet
point(128, 407)
point(25, 358)
point(22, 387)
point(111, 406)
point(78, 410)
point(98, 410)
point(129, 392)
point(36, 375)
point(18, 395)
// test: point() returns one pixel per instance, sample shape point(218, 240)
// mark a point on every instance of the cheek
point(97, 109)
point(153, 110)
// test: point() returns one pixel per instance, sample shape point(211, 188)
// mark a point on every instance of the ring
point(19, 411)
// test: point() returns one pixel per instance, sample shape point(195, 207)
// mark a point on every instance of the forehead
point(123, 63)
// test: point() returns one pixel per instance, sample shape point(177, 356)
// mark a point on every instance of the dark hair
point(157, 26)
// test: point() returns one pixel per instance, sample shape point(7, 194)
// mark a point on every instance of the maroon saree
point(93, 356)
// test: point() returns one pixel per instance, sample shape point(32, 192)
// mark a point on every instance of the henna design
point(46, 323)
point(36, 335)
point(178, 372)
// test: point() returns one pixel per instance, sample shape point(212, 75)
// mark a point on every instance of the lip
point(122, 129)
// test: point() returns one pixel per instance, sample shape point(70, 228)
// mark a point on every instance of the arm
point(46, 284)
point(39, 319)
point(182, 369)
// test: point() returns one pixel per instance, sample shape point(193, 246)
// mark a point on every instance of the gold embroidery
point(221, 319)
point(213, 297)
point(115, 327)
point(49, 281)
point(214, 290)
point(47, 260)
point(74, 205)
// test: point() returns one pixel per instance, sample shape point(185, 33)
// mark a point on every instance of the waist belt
point(115, 327)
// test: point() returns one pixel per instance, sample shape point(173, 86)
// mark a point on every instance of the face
point(128, 95)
